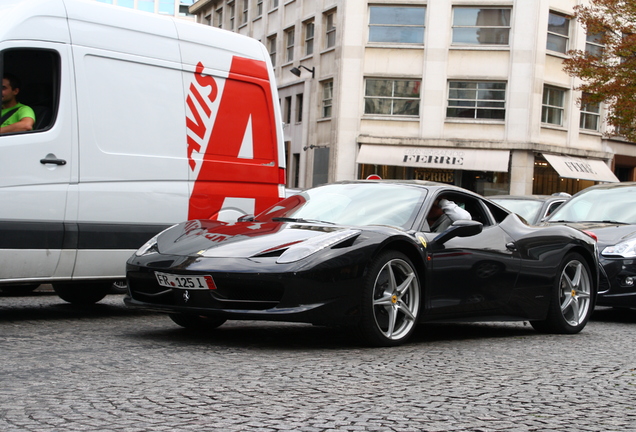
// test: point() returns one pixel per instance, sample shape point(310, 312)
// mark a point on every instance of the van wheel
point(82, 294)
point(196, 322)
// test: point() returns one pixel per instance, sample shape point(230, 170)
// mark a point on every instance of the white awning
point(435, 157)
point(580, 168)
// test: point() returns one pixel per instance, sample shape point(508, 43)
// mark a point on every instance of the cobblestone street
point(107, 368)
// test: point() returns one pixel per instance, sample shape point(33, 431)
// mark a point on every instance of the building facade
point(466, 92)
point(176, 8)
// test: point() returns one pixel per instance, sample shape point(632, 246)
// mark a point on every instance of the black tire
point(390, 300)
point(571, 302)
point(82, 294)
point(17, 290)
point(119, 287)
point(196, 322)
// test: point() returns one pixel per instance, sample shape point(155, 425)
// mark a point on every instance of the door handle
point(511, 247)
point(52, 159)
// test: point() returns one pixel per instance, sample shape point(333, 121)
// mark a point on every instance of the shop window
point(38, 77)
point(553, 106)
point(392, 97)
point(558, 33)
point(590, 114)
point(476, 100)
point(397, 24)
point(481, 26)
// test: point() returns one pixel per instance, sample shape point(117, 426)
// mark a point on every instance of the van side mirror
point(460, 228)
point(247, 218)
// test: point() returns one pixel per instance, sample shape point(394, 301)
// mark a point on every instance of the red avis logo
point(239, 164)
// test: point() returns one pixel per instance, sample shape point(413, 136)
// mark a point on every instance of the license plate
point(185, 282)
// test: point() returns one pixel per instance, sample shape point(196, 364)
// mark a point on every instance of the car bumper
point(617, 285)
point(316, 296)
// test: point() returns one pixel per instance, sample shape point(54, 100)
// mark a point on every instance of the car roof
point(529, 197)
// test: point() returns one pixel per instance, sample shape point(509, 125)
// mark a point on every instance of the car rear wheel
point(82, 294)
point(571, 303)
point(197, 322)
point(391, 300)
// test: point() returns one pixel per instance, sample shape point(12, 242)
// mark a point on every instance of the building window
point(288, 109)
point(593, 44)
point(232, 7)
point(590, 113)
point(558, 33)
point(476, 100)
point(218, 18)
point(289, 38)
point(259, 8)
point(327, 98)
point(299, 108)
point(273, 4)
point(392, 97)
point(271, 47)
point(396, 24)
point(207, 20)
point(245, 13)
point(309, 37)
point(330, 29)
point(553, 105)
point(481, 26)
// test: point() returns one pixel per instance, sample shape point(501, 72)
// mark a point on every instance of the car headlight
point(151, 245)
point(313, 245)
point(626, 249)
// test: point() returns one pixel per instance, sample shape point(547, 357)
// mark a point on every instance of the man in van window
point(15, 117)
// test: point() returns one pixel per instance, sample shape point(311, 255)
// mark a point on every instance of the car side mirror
point(460, 228)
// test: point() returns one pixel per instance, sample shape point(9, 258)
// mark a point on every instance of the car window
point(478, 212)
point(553, 206)
point(597, 205)
point(357, 204)
point(526, 208)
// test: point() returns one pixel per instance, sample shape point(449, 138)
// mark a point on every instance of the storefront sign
point(580, 168)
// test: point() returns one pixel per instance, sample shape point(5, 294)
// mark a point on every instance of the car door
point(472, 274)
point(36, 166)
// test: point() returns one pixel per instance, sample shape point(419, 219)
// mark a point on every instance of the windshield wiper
point(301, 220)
point(607, 221)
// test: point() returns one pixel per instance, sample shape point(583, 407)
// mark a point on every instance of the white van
point(142, 121)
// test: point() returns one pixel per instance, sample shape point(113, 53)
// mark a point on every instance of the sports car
point(361, 254)
point(608, 211)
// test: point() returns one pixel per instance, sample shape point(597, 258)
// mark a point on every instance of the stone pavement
point(106, 368)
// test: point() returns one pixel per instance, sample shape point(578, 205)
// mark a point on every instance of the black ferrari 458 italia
point(368, 255)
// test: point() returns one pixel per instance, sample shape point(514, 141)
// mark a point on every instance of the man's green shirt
point(22, 112)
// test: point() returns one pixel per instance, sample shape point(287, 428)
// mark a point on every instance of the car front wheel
point(391, 300)
point(571, 303)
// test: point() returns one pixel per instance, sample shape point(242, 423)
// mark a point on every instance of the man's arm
point(26, 124)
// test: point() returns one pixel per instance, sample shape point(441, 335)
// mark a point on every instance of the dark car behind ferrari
point(363, 255)
point(608, 211)
point(533, 208)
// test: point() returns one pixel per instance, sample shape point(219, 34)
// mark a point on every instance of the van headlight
point(313, 245)
point(151, 245)
point(626, 249)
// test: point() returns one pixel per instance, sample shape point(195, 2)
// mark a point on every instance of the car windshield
point(527, 209)
point(599, 205)
point(351, 204)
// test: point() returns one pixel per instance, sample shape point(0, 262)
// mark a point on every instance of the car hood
point(607, 233)
point(239, 239)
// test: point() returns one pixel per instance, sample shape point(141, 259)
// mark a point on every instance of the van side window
point(38, 71)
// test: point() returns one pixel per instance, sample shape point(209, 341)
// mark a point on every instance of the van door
point(37, 166)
